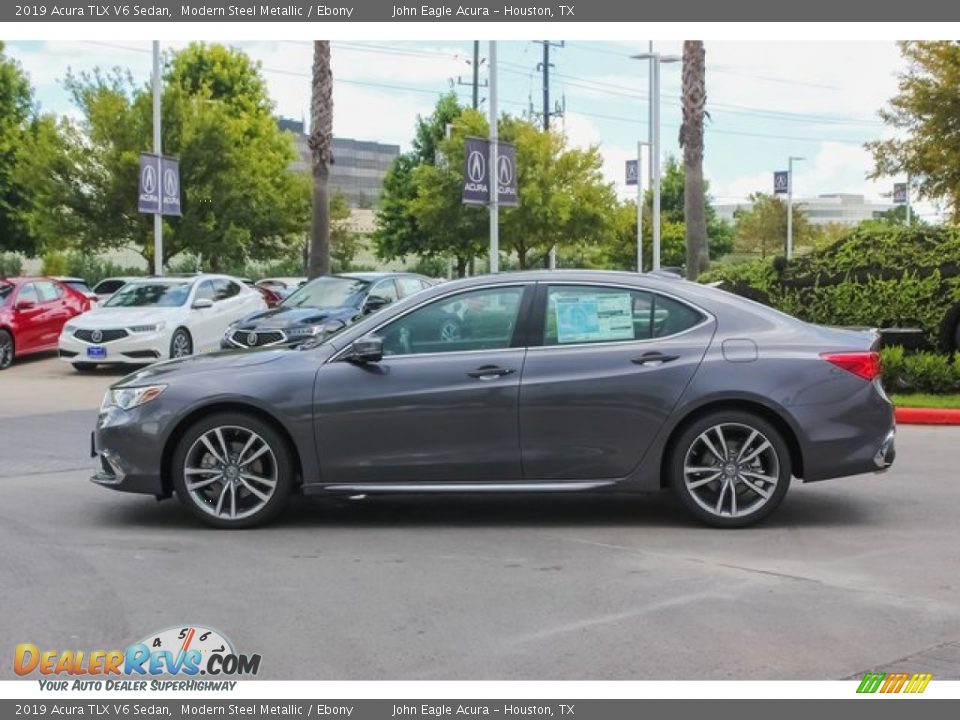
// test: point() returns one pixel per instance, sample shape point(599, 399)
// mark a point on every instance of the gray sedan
point(564, 381)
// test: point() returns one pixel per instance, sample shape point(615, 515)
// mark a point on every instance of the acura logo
point(170, 185)
point(251, 338)
point(476, 167)
point(149, 179)
point(505, 170)
point(96, 336)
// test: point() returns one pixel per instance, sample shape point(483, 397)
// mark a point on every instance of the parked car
point(108, 286)
point(81, 286)
point(562, 381)
point(32, 312)
point(283, 286)
point(155, 318)
point(323, 306)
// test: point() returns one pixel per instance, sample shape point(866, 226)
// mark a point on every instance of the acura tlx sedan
point(563, 381)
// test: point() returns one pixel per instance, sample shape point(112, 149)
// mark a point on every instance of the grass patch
point(924, 400)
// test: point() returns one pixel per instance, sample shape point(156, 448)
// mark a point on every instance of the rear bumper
point(887, 452)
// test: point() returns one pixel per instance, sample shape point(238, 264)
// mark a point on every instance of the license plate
point(96, 352)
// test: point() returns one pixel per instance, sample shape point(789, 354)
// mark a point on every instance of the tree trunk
point(691, 139)
point(522, 258)
point(321, 141)
point(461, 266)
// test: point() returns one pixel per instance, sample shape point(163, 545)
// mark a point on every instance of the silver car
point(534, 382)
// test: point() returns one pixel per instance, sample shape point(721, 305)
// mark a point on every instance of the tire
point(225, 498)
point(181, 344)
point(756, 466)
point(7, 349)
point(84, 366)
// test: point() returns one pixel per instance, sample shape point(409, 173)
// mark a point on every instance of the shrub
point(923, 372)
point(54, 263)
point(10, 264)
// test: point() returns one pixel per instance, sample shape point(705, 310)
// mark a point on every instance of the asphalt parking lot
point(848, 576)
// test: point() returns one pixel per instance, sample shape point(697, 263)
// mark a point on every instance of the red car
point(33, 310)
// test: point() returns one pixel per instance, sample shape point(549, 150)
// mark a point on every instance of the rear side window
point(28, 293)
point(225, 289)
point(409, 286)
point(108, 287)
point(591, 314)
point(47, 290)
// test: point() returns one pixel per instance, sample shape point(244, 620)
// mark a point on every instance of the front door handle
point(654, 357)
point(490, 372)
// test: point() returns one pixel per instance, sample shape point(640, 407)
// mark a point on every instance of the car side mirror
point(202, 304)
point(25, 305)
point(367, 349)
point(374, 303)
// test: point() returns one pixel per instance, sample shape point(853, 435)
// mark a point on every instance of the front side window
point(28, 293)
point(47, 290)
point(205, 291)
point(108, 287)
point(591, 314)
point(385, 289)
point(477, 320)
point(225, 289)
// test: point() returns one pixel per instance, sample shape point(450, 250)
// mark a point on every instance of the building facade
point(358, 169)
point(841, 208)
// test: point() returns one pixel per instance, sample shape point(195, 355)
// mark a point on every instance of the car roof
point(377, 274)
point(20, 279)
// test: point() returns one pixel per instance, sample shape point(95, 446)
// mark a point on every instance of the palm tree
point(321, 141)
point(691, 140)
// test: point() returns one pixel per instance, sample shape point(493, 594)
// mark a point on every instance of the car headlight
point(130, 397)
point(156, 327)
point(68, 328)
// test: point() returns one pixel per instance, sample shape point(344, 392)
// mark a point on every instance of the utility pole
point(790, 161)
point(908, 201)
point(545, 67)
point(158, 217)
point(492, 181)
point(475, 82)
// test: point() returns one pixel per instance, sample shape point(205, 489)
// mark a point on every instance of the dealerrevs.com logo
point(185, 651)
point(899, 682)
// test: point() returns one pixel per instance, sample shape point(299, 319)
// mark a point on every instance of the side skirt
point(435, 487)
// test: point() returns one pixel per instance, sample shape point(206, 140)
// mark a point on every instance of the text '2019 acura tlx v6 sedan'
point(558, 381)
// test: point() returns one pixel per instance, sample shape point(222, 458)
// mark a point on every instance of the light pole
point(790, 161)
point(492, 181)
point(656, 59)
point(640, 146)
point(157, 148)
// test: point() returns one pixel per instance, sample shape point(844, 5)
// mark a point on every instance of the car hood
point(209, 362)
point(116, 317)
point(288, 317)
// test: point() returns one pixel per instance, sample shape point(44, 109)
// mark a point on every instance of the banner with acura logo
point(159, 189)
point(476, 175)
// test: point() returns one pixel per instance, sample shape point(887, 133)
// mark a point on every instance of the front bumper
point(135, 348)
point(128, 452)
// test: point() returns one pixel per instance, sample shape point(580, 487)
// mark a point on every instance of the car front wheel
point(730, 469)
point(181, 344)
point(6, 349)
point(232, 471)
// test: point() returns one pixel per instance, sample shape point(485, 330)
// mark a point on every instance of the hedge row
point(922, 372)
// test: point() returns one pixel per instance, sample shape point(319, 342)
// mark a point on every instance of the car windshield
point(156, 294)
point(328, 292)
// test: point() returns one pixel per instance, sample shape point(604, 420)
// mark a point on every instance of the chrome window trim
point(338, 356)
point(709, 317)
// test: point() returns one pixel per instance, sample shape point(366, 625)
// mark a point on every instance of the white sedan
point(157, 318)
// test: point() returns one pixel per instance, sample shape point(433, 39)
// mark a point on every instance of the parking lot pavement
point(849, 575)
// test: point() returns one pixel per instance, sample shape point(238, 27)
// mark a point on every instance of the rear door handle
point(490, 372)
point(654, 357)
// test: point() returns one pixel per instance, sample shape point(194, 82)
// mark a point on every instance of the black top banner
point(477, 11)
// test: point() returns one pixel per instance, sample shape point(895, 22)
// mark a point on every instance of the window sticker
point(594, 318)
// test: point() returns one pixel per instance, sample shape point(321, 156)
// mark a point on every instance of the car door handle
point(654, 357)
point(490, 372)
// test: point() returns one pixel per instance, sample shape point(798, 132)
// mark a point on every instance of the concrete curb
point(927, 416)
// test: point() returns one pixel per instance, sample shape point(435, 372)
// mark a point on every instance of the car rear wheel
point(233, 471)
point(6, 349)
point(84, 367)
point(730, 469)
point(181, 344)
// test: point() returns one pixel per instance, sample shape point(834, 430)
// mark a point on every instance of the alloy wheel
point(6, 351)
point(230, 472)
point(180, 347)
point(731, 470)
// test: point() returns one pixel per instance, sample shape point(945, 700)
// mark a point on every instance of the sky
point(767, 101)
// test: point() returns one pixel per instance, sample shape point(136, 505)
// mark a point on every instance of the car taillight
point(861, 364)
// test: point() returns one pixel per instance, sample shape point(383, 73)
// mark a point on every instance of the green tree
point(762, 228)
point(400, 232)
point(344, 242)
point(17, 125)
point(240, 200)
point(924, 113)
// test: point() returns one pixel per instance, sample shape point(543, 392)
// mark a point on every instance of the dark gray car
point(556, 381)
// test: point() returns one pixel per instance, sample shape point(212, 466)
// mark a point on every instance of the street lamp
point(790, 161)
point(656, 59)
point(640, 146)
